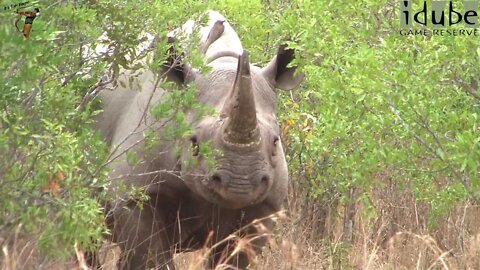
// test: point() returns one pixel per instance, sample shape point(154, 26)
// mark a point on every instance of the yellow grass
point(318, 235)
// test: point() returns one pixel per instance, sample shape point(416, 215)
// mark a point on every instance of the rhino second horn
point(215, 33)
point(240, 106)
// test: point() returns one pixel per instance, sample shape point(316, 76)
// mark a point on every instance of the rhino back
point(123, 123)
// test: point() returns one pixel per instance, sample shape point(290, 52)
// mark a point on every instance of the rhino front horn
point(240, 106)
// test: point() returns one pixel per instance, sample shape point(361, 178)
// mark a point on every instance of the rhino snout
point(243, 189)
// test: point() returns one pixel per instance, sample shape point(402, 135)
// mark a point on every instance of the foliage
point(52, 168)
point(377, 102)
point(374, 103)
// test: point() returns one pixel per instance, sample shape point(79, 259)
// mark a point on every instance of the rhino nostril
point(264, 179)
point(216, 179)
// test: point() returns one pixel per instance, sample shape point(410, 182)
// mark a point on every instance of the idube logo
point(440, 18)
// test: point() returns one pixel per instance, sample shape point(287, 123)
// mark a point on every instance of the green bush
point(373, 102)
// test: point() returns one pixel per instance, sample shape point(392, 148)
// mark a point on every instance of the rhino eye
point(195, 147)
point(275, 142)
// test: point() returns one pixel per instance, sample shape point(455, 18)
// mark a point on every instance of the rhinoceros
point(191, 204)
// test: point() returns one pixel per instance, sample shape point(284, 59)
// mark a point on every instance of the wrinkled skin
point(191, 205)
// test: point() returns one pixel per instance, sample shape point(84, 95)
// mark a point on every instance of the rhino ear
point(279, 74)
point(174, 68)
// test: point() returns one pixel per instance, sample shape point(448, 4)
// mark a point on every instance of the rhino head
point(249, 162)
point(245, 135)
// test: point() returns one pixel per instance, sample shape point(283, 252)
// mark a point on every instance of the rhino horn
point(240, 106)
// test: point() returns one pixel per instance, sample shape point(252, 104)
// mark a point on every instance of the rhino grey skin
point(187, 203)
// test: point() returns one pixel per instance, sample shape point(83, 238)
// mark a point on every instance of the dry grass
point(317, 235)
